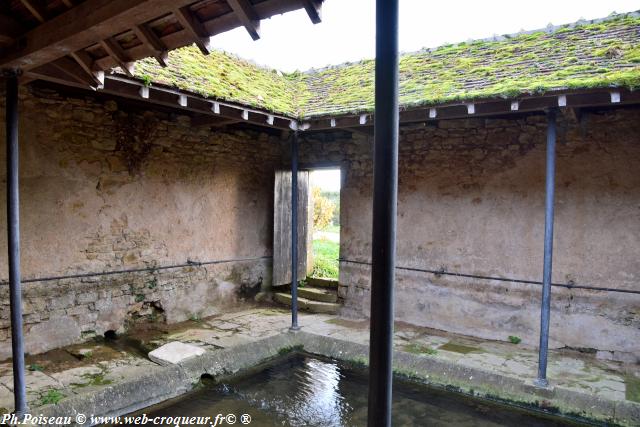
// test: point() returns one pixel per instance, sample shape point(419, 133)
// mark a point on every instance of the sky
point(326, 179)
point(291, 42)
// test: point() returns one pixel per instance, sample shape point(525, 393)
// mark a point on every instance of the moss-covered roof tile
point(600, 54)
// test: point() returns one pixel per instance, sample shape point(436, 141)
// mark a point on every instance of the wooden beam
point(364, 130)
point(114, 50)
point(247, 16)
point(121, 86)
point(86, 63)
point(70, 68)
point(195, 28)
point(151, 40)
point(35, 9)
point(314, 10)
point(214, 26)
point(81, 26)
point(68, 3)
point(9, 30)
point(211, 121)
point(53, 74)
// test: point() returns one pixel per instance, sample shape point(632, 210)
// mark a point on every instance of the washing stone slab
point(175, 352)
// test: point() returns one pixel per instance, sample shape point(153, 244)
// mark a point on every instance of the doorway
point(324, 225)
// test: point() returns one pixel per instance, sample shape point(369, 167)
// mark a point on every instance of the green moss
point(459, 348)
point(604, 54)
point(97, 379)
point(51, 397)
point(632, 389)
point(514, 340)
point(290, 349)
point(419, 349)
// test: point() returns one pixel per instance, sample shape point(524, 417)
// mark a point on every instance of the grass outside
point(332, 228)
point(325, 259)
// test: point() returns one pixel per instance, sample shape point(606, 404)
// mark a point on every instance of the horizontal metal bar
point(189, 263)
point(443, 272)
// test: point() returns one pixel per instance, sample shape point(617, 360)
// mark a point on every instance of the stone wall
point(471, 199)
point(107, 186)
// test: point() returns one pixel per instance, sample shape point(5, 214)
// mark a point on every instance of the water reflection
point(306, 391)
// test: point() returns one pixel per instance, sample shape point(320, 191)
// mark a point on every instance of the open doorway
point(318, 225)
point(324, 224)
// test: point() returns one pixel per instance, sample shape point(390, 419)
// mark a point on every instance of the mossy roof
point(603, 53)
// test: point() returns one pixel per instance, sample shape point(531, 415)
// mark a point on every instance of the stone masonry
point(110, 186)
point(471, 200)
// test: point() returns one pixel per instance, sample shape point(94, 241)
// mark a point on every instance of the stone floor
point(82, 368)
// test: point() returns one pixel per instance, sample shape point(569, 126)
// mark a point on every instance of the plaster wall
point(111, 187)
point(471, 200)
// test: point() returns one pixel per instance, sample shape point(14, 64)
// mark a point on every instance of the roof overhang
point(75, 41)
point(562, 99)
point(219, 112)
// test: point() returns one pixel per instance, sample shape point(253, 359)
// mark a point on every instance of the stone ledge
point(165, 382)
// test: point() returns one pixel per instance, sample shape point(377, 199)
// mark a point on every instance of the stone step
point(308, 305)
point(320, 282)
point(317, 294)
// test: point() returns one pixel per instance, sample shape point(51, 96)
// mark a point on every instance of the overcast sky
point(291, 41)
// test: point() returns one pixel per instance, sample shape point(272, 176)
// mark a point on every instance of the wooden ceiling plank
point(86, 63)
point(247, 16)
point(151, 40)
point(68, 3)
point(52, 74)
point(314, 10)
point(113, 49)
point(82, 26)
point(9, 29)
point(195, 28)
point(35, 9)
point(70, 68)
point(213, 26)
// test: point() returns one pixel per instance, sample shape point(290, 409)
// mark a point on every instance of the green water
point(307, 391)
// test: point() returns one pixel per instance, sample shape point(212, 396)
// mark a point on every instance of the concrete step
point(308, 305)
point(317, 294)
point(320, 282)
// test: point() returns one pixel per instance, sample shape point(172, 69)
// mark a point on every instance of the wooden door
point(282, 226)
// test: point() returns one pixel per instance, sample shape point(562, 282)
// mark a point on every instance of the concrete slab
point(174, 353)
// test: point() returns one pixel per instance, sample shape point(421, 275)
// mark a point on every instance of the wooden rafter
point(247, 16)
point(314, 9)
point(70, 68)
point(114, 50)
point(35, 9)
point(83, 25)
point(213, 26)
point(9, 29)
point(86, 23)
point(86, 63)
point(194, 27)
point(149, 38)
